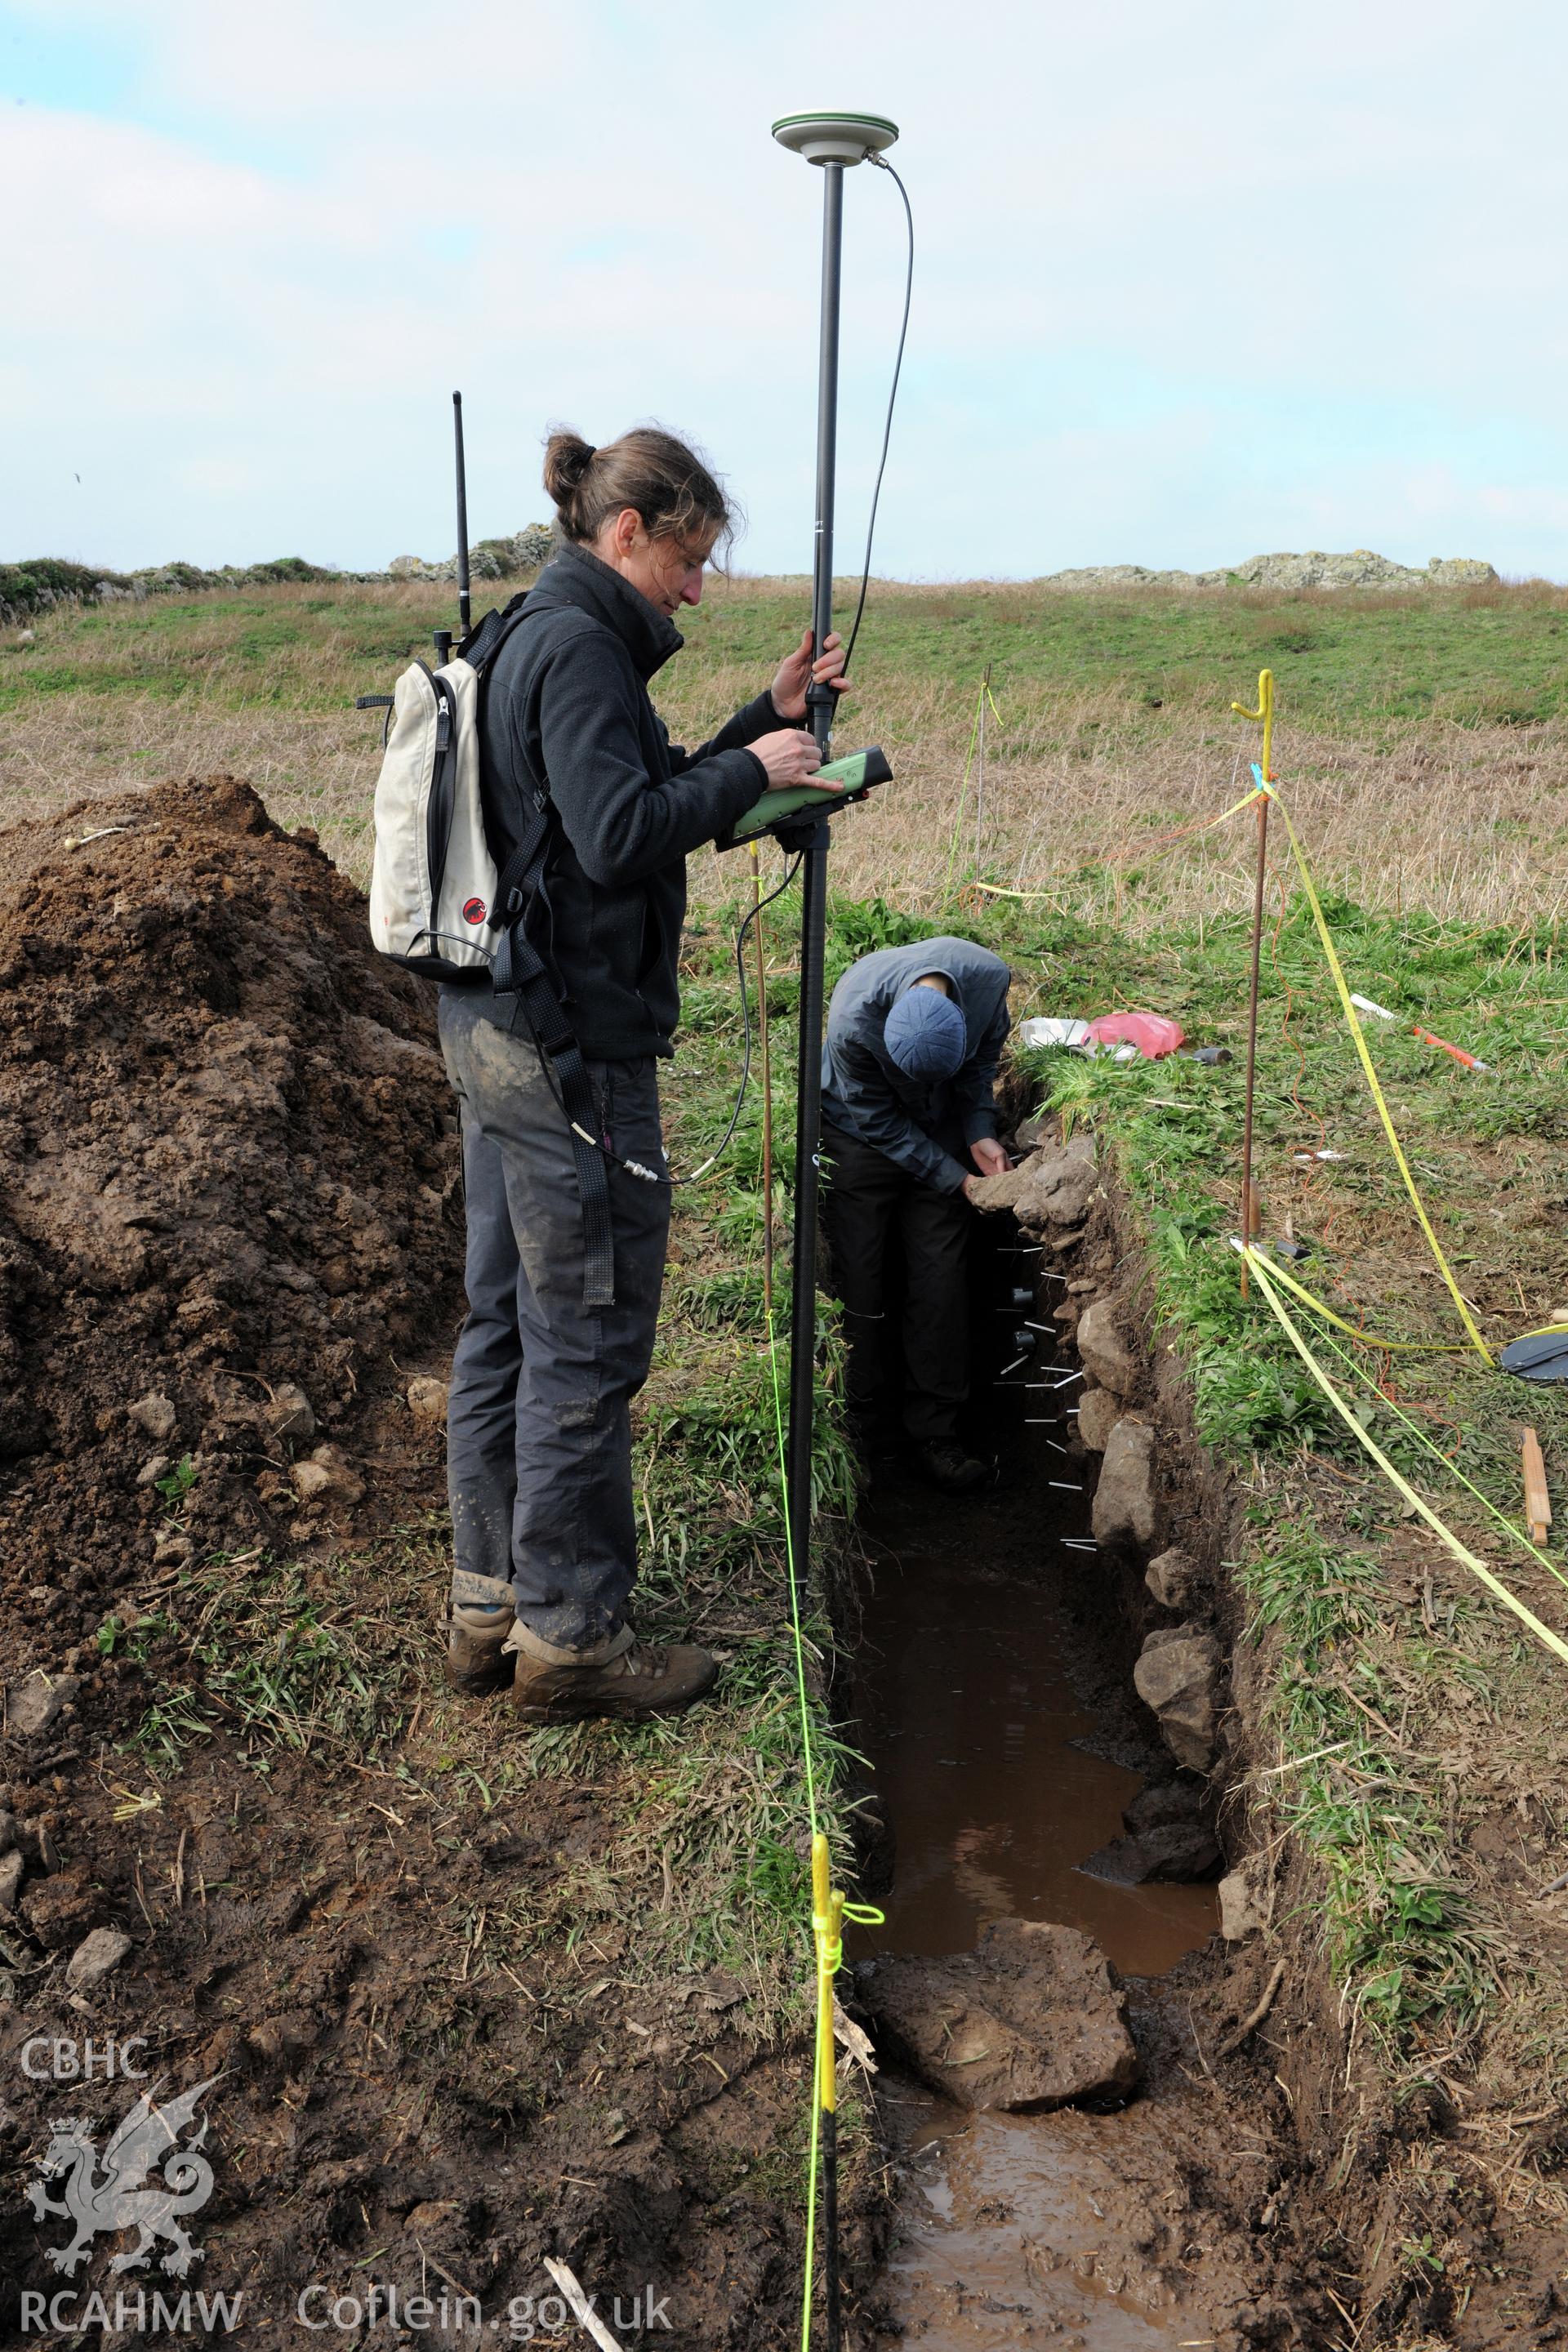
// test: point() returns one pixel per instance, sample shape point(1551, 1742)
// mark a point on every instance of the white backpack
point(433, 889)
point(439, 907)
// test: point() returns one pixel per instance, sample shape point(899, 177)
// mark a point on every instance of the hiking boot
point(947, 1465)
point(478, 1660)
point(875, 1440)
point(620, 1677)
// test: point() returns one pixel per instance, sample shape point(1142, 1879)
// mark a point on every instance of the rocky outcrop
point(1313, 568)
point(43, 582)
point(489, 559)
point(1033, 2018)
point(1177, 1675)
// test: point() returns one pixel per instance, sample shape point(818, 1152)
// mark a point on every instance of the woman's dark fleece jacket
point(566, 703)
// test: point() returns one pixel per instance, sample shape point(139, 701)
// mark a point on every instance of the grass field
point(1424, 737)
point(1423, 748)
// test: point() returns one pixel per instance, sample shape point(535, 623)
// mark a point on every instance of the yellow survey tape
point(826, 1926)
point(1367, 1338)
point(1391, 1405)
point(1343, 985)
point(828, 1912)
point(996, 889)
point(1478, 1568)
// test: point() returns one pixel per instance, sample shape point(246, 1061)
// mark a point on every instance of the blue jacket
point(915, 1122)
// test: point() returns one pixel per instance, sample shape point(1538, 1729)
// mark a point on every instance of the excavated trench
point(230, 1156)
point(1084, 2149)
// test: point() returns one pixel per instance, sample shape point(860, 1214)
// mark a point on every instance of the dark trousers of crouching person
point(538, 1435)
point(872, 1203)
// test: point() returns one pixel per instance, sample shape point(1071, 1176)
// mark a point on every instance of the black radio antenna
point(462, 515)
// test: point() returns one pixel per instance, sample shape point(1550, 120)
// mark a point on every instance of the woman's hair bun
point(567, 457)
point(648, 470)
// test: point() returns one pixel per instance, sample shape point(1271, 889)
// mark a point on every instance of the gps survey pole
point(835, 142)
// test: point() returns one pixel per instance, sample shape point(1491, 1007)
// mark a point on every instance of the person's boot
point(875, 1439)
point(947, 1465)
point(478, 1659)
point(620, 1677)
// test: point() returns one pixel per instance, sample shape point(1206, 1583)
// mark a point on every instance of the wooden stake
point(1537, 1502)
point(767, 1089)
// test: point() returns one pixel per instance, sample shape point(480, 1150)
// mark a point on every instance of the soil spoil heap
point(230, 1205)
point(244, 1829)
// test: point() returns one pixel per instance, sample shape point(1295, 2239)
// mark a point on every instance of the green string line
point(793, 1590)
point(814, 2153)
point(981, 699)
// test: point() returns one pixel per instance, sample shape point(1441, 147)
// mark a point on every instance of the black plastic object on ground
point(1540, 1355)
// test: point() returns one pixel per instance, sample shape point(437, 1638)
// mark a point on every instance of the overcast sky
point(1194, 279)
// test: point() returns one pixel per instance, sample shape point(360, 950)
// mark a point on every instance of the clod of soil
point(230, 1251)
point(229, 1200)
point(1051, 1187)
point(1033, 2018)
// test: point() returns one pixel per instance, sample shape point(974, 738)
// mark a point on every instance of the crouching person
point(909, 1067)
point(564, 1283)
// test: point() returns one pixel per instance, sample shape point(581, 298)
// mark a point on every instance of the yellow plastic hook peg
point(1265, 711)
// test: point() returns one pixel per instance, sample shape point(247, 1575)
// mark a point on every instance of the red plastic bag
point(1153, 1035)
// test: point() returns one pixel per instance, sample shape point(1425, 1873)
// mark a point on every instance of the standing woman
point(539, 1430)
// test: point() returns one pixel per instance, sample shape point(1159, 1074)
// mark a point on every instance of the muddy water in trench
point(1004, 1751)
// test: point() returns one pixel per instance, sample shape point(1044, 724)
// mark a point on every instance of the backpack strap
point(524, 869)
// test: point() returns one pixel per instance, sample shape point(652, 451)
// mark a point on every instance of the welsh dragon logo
point(119, 2197)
